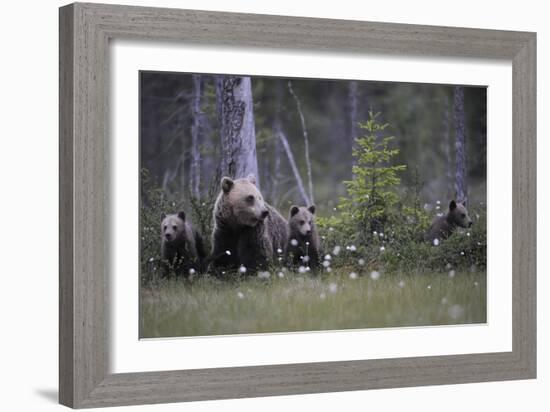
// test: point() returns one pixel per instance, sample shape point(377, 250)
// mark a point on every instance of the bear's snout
point(265, 213)
point(168, 236)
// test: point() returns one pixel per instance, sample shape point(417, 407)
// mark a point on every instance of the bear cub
point(182, 249)
point(248, 233)
point(303, 245)
point(442, 227)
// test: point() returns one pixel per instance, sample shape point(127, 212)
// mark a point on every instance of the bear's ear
point(452, 205)
point(162, 216)
point(293, 210)
point(311, 209)
point(251, 178)
point(181, 215)
point(227, 184)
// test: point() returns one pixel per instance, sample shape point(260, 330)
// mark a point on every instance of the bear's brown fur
point(303, 245)
point(442, 227)
point(182, 249)
point(247, 231)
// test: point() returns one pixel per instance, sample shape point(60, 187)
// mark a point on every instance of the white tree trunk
point(290, 156)
point(306, 142)
point(238, 134)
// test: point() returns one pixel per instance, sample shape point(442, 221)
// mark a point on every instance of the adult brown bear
point(248, 233)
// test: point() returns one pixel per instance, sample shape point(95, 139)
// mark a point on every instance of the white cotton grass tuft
point(361, 262)
point(322, 296)
point(240, 295)
point(242, 269)
point(375, 275)
point(264, 275)
point(444, 300)
point(329, 269)
point(151, 259)
point(328, 257)
point(401, 284)
point(293, 242)
point(436, 242)
point(281, 275)
point(429, 287)
point(302, 269)
point(382, 248)
point(279, 250)
point(336, 250)
point(326, 263)
point(305, 258)
point(452, 273)
point(228, 252)
point(448, 266)
point(353, 275)
point(192, 271)
point(456, 312)
point(333, 287)
point(351, 248)
point(462, 253)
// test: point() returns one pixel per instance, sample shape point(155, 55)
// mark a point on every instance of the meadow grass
point(303, 302)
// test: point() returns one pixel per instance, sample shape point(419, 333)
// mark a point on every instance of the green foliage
point(372, 194)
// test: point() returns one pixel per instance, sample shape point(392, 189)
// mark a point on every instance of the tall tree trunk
point(447, 147)
point(238, 135)
point(352, 101)
point(460, 144)
point(277, 143)
point(306, 141)
point(195, 172)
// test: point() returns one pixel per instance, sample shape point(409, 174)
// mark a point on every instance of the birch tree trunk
point(195, 172)
point(284, 141)
point(306, 141)
point(460, 144)
point(238, 135)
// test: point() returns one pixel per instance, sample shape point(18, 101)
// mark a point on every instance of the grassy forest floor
point(290, 301)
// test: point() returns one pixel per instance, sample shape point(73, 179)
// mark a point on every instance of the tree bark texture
point(238, 135)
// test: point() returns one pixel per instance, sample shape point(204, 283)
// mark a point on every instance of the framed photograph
point(257, 205)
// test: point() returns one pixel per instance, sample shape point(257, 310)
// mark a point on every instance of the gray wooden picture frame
point(85, 31)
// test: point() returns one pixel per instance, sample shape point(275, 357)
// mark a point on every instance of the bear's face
point(459, 214)
point(245, 200)
point(172, 226)
point(301, 220)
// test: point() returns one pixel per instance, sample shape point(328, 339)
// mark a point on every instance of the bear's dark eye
point(302, 222)
point(175, 228)
point(165, 227)
point(463, 215)
point(250, 199)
